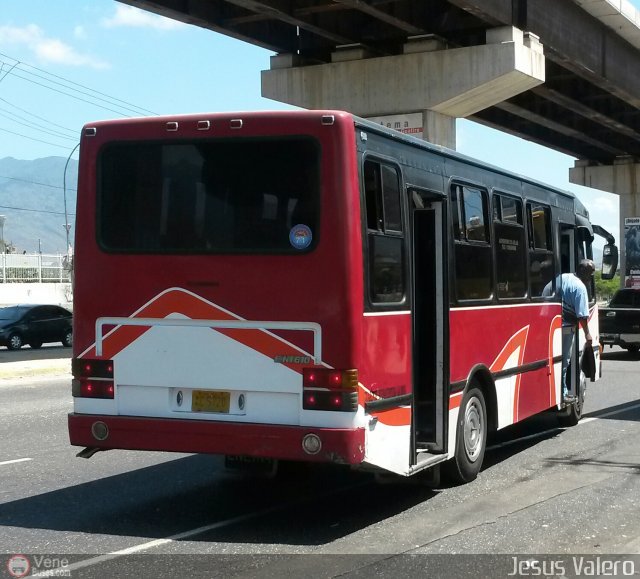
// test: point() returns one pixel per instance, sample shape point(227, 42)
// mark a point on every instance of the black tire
point(471, 438)
point(15, 342)
point(571, 415)
point(35, 345)
point(67, 339)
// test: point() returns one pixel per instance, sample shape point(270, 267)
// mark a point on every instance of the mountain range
point(32, 201)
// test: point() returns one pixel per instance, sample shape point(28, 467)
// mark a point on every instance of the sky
point(64, 63)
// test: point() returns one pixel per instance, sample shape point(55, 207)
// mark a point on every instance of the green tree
point(605, 288)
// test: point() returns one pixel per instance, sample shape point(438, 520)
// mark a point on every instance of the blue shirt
point(575, 298)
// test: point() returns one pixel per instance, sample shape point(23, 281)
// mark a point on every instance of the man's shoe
point(568, 399)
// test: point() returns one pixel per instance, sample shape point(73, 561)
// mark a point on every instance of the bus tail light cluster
point(329, 389)
point(92, 378)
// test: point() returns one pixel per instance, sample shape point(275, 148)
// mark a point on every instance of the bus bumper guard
point(345, 446)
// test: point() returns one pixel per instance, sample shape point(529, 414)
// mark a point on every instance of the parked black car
point(34, 325)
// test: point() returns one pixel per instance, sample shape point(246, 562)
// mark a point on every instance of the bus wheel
point(571, 415)
point(471, 438)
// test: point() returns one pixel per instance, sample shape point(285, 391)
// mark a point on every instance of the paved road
point(543, 490)
point(28, 362)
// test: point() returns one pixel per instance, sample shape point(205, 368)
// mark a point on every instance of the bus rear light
point(327, 400)
point(331, 379)
point(86, 388)
point(86, 368)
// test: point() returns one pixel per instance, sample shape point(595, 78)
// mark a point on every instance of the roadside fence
point(34, 268)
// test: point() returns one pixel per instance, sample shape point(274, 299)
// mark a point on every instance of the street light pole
point(64, 192)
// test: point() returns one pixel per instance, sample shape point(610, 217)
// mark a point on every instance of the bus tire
point(471, 438)
point(571, 415)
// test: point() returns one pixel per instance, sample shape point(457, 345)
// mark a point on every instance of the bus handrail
point(218, 324)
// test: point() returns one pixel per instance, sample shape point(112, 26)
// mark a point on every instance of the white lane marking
point(552, 430)
point(200, 530)
point(14, 461)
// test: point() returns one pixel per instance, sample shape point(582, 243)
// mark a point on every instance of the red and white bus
point(311, 286)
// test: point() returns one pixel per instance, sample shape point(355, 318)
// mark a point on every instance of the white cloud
point(47, 50)
point(134, 17)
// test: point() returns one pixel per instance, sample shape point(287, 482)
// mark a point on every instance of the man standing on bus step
point(575, 312)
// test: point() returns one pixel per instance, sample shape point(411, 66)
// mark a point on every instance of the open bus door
point(575, 245)
point(430, 325)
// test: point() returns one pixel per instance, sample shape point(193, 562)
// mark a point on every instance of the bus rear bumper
point(345, 446)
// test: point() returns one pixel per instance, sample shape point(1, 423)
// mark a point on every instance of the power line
point(13, 74)
point(31, 125)
point(66, 82)
point(34, 210)
point(35, 182)
point(33, 139)
point(37, 117)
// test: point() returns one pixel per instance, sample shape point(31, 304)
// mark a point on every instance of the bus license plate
point(210, 401)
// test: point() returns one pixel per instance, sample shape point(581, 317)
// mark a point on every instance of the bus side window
point(541, 262)
point(510, 250)
point(384, 233)
point(470, 209)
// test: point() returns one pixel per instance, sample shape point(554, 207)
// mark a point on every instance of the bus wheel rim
point(473, 429)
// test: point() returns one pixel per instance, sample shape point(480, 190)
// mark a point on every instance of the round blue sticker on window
point(300, 236)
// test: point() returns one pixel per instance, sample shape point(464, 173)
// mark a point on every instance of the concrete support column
point(439, 129)
point(623, 179)
point(446, 83)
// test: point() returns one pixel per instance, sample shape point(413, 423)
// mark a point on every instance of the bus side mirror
point(609, 261)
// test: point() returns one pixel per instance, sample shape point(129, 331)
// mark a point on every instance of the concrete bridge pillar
point(440, 83)
point(623, 179)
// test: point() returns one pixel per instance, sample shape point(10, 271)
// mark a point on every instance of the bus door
point(430, 324)
point(574, 246)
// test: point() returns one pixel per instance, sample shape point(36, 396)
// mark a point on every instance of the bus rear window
point(226, 196)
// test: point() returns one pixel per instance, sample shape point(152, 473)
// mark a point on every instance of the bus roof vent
point(328, 119)
point(235, 123)
point(204, 125)
point(172, 126)
point(90, 132)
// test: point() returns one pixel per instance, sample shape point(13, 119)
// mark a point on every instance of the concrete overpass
point(561, 73)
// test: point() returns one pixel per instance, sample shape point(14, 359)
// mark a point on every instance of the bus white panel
point(557, 368)
point(94, 406)
point(200, 358)
point(387, 447)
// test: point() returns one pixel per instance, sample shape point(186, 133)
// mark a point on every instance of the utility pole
point(67, 227)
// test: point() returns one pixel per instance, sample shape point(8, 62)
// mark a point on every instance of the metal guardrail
point(34, 268)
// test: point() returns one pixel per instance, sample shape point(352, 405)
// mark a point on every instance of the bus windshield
point(222, 196)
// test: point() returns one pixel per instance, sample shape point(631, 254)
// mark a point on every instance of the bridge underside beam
point(453, 83)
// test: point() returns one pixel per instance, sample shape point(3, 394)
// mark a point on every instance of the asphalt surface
point(543, 490)
point(50, 360)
